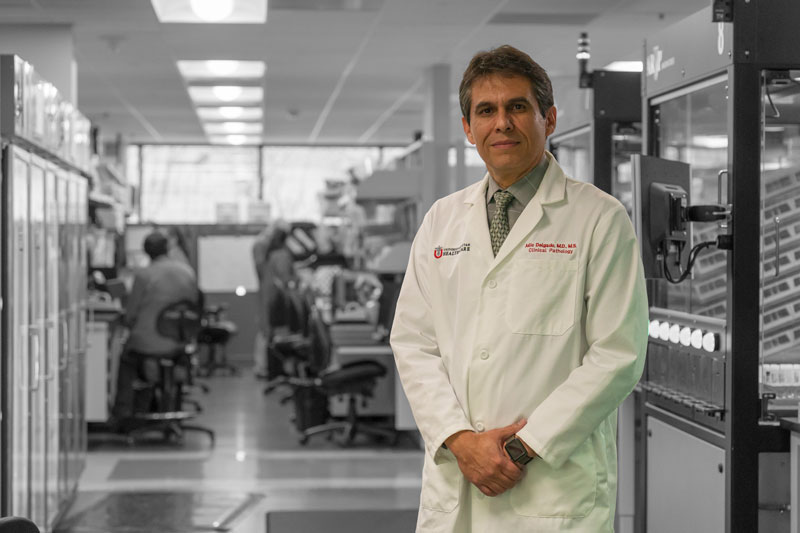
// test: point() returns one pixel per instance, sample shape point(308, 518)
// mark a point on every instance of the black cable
point(693, 253)
point(771, 104)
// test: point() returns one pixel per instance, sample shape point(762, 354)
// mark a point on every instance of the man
point(163, 282)
point(522, 320)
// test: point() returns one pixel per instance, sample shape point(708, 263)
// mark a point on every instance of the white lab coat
point(553, 329)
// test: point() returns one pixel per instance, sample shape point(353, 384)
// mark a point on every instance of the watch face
point(516, 451)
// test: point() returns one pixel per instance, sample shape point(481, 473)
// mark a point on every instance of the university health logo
point(440, 251)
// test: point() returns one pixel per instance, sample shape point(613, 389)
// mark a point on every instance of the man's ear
point(467, 130)
point(550, 121)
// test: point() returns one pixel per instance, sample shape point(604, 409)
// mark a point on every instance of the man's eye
point(519, 107)
point(484, 111)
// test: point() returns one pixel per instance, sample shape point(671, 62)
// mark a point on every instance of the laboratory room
point(398, 266)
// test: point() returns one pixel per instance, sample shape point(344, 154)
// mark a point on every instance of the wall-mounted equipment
point(663, 215)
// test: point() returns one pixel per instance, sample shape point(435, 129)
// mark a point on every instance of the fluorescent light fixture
point(223, 94)
point(211, 11)
point(225, 128)
point(225, 113)
point(227, 93)
point(235, 140)
point(231, 112)
point(221, 68)
point(624, 66)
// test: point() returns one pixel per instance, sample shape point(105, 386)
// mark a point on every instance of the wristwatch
point(516, 451)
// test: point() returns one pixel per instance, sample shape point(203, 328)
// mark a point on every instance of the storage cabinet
point(44, 216)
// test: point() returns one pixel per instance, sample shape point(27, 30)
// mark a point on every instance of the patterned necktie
point(498, 229)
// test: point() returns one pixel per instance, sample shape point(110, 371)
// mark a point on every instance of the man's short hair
point(155, 245)
point(505, 60)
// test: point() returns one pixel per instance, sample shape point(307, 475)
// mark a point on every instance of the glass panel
point(21, 368)
point(780, 236)
point(210, 184)
point(572, 150)
point(295, 176)
point(53, 346)
point(65, 385)
point(627, 141)
point(38, 414)
point(186, 184)
point(693, 127)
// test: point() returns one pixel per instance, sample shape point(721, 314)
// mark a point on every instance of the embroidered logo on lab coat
point(566, 248)
point(440, 252)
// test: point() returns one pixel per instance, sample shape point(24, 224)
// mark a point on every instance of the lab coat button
point(492, 284)
point(479, 427)
point(484, 355)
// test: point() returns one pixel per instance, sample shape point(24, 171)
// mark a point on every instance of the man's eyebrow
point(520, 99)
point(517, 100)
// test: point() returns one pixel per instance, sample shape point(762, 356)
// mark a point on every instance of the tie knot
point(502, 199)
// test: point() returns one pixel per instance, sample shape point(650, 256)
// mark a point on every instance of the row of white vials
point(684, 335)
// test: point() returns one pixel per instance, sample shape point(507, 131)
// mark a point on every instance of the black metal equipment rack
point(755, 35)
point(616, 99)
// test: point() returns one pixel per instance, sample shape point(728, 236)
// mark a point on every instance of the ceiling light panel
point(208, 114)
point(235, 139)
point(624, 66)
point(211, 11)
point(226, 128)
point(221, 68)
point(226, 94)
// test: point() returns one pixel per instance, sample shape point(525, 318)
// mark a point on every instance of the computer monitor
point(661, 189)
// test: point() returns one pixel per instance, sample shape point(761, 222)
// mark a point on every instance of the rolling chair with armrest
point(289, 349)
point(357, 379)
point(15, 524)
point(181, 322)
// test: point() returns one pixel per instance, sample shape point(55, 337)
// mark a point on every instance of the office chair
point(289, 349)
point(215, 335)
point(180, 321)
point(357, 379)
point(15, 524)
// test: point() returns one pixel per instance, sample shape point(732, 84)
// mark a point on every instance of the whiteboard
point(225, 262)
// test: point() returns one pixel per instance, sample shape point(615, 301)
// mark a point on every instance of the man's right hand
point(483, 460)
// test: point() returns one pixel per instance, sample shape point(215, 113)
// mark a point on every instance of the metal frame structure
point(616, 97)
point(761, 36)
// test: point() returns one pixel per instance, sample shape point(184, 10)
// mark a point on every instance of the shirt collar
point(523, 189)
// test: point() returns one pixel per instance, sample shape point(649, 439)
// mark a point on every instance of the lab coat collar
point(551, 190)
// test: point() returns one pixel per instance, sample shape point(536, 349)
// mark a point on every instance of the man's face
point(507, 127)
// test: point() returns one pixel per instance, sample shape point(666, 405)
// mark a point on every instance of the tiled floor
point(255, 467)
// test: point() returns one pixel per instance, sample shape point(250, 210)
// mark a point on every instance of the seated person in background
point(165, 281)
point(177, 248)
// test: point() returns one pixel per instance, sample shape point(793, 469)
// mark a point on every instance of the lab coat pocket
point(441, 484)
point(566, 492)
point(541, 299)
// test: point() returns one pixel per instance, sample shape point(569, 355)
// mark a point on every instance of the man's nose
point(503, 121)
